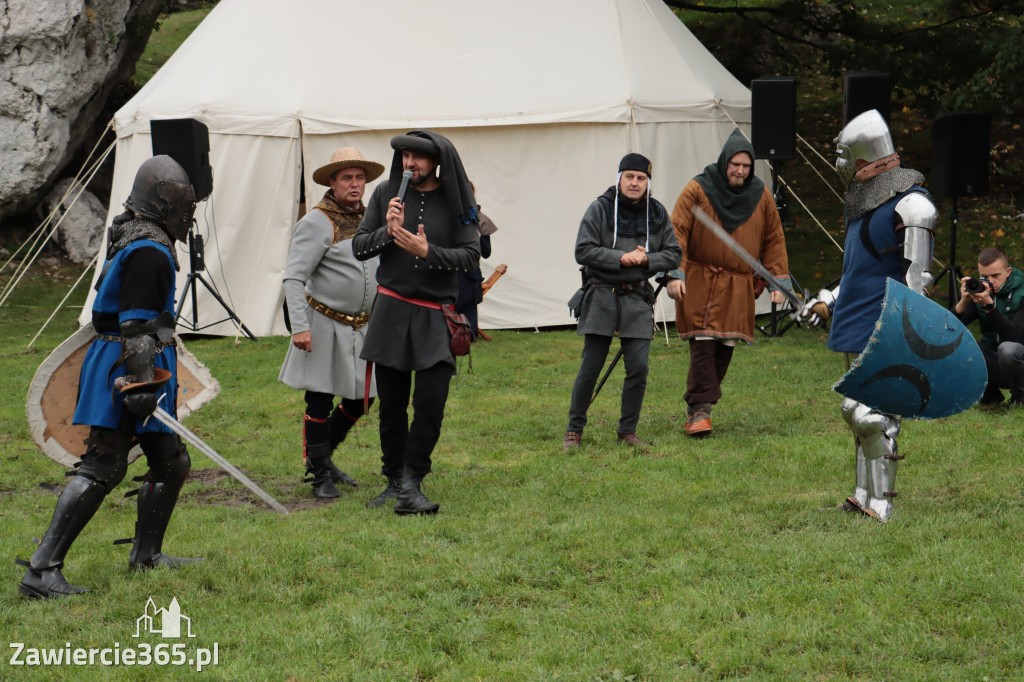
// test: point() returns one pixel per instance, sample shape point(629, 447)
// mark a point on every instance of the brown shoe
point(571, 440)
point(699, 425)
point(630, 439)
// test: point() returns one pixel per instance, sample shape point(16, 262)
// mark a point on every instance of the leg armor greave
point(875, 433)
point(169, 465)
point(78, 502)
point(859, 499)
point(103, 466)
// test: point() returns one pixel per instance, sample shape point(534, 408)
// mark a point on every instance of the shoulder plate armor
point(917, 210)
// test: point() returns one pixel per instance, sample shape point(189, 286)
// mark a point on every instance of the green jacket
point(1008, 301)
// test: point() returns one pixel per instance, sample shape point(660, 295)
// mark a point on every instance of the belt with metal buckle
point(117, 338)
point(354, 322)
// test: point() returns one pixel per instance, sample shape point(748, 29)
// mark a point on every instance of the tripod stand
point(952, 269)
point(197, 264)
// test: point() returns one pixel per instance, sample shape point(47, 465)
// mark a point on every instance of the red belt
point(415, 301)
point(381, 289)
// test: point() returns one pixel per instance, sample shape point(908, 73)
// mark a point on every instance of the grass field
point(713, 559)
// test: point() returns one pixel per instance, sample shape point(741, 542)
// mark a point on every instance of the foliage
point(954, 55)
point(168, 34)
point(712, 559)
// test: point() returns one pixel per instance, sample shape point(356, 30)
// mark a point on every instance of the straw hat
point(346, 157)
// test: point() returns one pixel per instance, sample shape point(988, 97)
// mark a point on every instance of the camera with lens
point(978, 285)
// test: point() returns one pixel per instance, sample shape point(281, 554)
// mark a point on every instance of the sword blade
point(727, 239)
point(176, 426)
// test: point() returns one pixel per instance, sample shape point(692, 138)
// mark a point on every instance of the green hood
point(733, 206)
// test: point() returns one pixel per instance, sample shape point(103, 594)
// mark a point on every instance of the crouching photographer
point(995, 299)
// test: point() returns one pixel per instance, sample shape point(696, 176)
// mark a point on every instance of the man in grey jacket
point(625, 237)
point(329, 294)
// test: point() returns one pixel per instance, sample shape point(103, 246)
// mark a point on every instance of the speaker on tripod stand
point(187, 141)
point(773, 136)
point(960, 155)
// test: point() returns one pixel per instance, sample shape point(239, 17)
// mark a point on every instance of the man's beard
point(418, 179)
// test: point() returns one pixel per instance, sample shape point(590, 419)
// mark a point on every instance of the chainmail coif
point(864, 196)
point(127, 228)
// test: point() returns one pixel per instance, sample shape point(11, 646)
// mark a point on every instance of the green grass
point(169, 34)
point(714, 559)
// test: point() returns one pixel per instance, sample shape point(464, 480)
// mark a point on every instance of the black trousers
point(1005, 367)
point(709, 361)
point(635, 356)
point(402, 442)
point(328, 422)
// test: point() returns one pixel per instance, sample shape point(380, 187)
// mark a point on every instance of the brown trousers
point(709, 361)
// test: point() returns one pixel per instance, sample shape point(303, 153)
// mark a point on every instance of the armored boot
point(389, 493)
point(882, 485)
point(77, 504)
point(155, 505)
point(318, 460)
point(875, 433)
point(859, 499)
point(411, 499)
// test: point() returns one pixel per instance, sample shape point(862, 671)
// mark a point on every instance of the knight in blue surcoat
point(129, 369)
point(890, 224)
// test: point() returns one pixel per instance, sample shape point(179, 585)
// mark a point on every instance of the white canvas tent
point(541, 99)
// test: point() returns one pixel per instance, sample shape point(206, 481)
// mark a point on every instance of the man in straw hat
point(329, 294)
point(422, 242)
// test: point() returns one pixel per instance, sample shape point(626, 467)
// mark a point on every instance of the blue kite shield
point(921, 362)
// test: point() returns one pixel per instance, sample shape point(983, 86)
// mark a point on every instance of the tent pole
point(60, 305)
point(40, 244)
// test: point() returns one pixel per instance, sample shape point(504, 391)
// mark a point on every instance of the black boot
point(411, 499)
point(339, 476)
point(339, 424)
point(389, 493)
point(991, 396)
point(155, 505)
point(77, 504)
point(318, 461)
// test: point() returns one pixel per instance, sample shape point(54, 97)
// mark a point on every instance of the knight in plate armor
point(129, 369)
point(890, 224)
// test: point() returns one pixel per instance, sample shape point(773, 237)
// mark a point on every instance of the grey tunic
point(332, 275)
point(605, 312)
point(402, 335)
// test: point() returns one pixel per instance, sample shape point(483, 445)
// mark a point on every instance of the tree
point(953, 55)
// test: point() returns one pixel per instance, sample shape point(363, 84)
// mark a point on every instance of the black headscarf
point(457, 189)
point(732, 205)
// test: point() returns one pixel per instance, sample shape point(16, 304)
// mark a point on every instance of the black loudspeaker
point(864, 91)
point(187, 141)
point(960, 153)
point(773, 117)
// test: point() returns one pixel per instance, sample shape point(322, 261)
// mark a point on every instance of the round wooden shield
point(53, 394)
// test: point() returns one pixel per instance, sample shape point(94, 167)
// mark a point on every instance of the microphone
point(406, 177)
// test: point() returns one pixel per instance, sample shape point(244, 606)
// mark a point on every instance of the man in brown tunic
point(713, 288)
